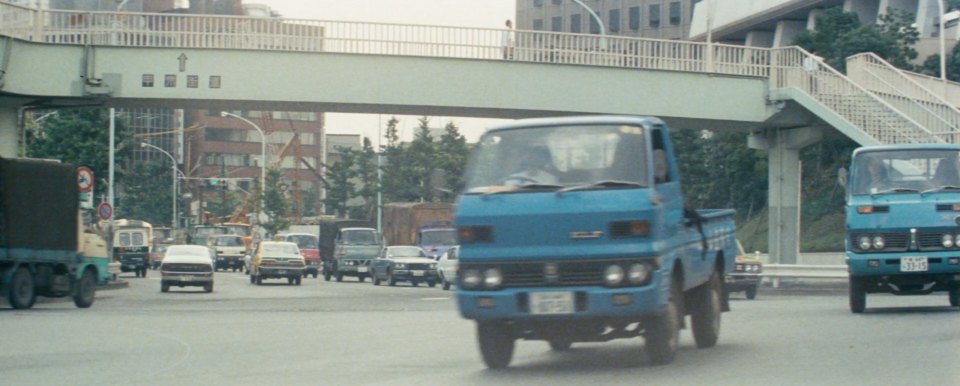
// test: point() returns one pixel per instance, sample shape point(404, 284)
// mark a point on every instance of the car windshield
point(555, 157)
point(396, 252)
point(280, 249)
point(439, 237)
point(904, 171)
point(188, 251)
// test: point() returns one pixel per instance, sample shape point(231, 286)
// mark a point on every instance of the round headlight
point(400, 266)
point(471, 279)
point(638, 273)
point(864, 242)
point(878, 242)
point(492, 278)
point(613, 275)
point(947, 240)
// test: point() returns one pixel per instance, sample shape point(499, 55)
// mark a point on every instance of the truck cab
point(436, 237)
point(902, 217)
point(354, 248)
point(574, 230)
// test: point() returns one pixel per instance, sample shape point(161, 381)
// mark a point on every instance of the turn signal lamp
point(864, 209)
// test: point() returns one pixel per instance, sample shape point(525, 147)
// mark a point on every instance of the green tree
point(393, 165)
point(420, 163)
point(452, 155)
point(365, 171)
point(275, 204)
point(840, 35)
point(338, 183)
point(81, 137)
point(146, 193)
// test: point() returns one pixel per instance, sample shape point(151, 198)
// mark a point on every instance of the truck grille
point(551, 273)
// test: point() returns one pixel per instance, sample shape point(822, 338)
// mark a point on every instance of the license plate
point(186, 278)
point(362, 269)
point(417, 273)
point(551, 303)
point(281, 272)
point(913, 264)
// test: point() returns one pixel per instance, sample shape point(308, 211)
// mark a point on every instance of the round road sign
point(85, 178)
point(105, 211)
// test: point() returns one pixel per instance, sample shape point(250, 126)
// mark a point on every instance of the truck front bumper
point(888, 272)
point(588, 302)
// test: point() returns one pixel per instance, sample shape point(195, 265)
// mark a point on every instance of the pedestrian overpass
point(58, 59)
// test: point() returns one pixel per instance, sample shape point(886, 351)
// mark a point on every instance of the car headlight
point(864, 242)
point(492, 278)
point(878, 242)
point(471, 279)
point(400, 266)
point(947, 241)
point(638, 273)
point(433, 266)
point(613, 275)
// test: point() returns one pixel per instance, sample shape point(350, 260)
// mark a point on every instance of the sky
point(460, 13)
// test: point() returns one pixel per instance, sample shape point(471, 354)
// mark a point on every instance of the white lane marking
point(444, 298)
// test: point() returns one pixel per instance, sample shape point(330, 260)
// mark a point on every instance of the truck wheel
point(705, 315)
point(415, 283)
point(85, 289)
point(314, 275)
point(375, 279)
point(136, 272)
point(496, 344)
point(858, 295)
point(954, 293)
point(361, 277)
point(662, 332)
point(560, 345)
point(289, 280)
point(752, 292)
point(326, 275)
point(208, 287)
point(259, 280)
point(164, 286)
point(297, 282)
point(339, 277)
point(143, 272)
point(432, 284)
point(392, 281)
point(22, 294)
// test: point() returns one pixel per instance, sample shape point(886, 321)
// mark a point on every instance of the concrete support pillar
point(9, 132)
point(867, 10)
point(783, 197)
point(759, 39)
point(786, 31)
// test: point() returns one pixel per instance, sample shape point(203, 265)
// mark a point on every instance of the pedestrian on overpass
point(506, 40)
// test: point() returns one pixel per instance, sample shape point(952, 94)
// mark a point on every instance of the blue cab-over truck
point(575, 230)
point(903, 221)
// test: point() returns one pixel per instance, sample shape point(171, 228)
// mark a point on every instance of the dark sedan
point(404, 263)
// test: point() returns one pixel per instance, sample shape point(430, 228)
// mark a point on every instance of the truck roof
point(582, 120)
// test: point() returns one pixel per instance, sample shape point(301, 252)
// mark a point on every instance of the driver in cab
point(535, 166)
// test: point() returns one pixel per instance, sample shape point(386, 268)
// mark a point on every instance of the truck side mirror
point(842, 177)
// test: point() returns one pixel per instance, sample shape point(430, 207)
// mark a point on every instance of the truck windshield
point(905, 171)
point(439, 237)
point(360, 237)
point(556, 157)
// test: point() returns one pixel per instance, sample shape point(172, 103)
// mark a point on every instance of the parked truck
point(45, 248)
point(428, 225)
point(575, 230)
point(903, 209)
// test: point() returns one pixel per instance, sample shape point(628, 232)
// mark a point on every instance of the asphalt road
point(354, 333)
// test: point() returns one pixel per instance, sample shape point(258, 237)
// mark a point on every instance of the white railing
point(904, 93)
point(794, 67)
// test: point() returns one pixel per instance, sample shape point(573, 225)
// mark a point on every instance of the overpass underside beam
point(783, 196)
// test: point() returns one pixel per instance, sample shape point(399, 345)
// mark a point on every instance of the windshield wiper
point(940, 189)
point(895, 190)
point(523, 187)
point(601, 184)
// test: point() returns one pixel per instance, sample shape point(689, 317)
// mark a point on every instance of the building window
point(193, 81)
point(214, 81)
point(170, 81)
point(575, 23)
point(654, 15)
point(675, 13)
point(634, 18)
point(557, 1)
point(538, 24)
point(537, 3)
point(614, 20)
point(556, 24)
point(146, 80)
point(594, 26)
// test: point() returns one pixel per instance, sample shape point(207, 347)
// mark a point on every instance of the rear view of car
point(277, 260)
point(186, 265)
point(309, 249)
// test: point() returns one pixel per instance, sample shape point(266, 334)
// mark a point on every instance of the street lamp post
point(263, 150)
point(603, 33)
point(943, 50)
point(173, 161)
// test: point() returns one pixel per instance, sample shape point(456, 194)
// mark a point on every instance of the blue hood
point(551, 226)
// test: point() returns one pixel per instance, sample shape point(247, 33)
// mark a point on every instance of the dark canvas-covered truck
point(574, 230)
point(44, 249)
point(903, 222)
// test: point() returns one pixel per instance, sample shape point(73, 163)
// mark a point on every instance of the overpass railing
point(275, 34)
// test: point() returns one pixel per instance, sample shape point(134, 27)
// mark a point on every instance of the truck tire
point(22, 294)
point(326, 275)
point(164, 286)
point(376, 279)
point(85, 289)
point(705, 315)
point(143, 272)
point(662, 332)
point(392, 281)
point(432, 284)
point(954, 293)
point(560, 345)
point(208, 287)
point(751, 292)
point(259, 280)
point(339, 277)
point(858, 295)
point(297, 281)
point(361, 277)
point(496, 344)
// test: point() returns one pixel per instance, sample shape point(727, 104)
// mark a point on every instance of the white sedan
point(186, 265)
point(447, 267)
